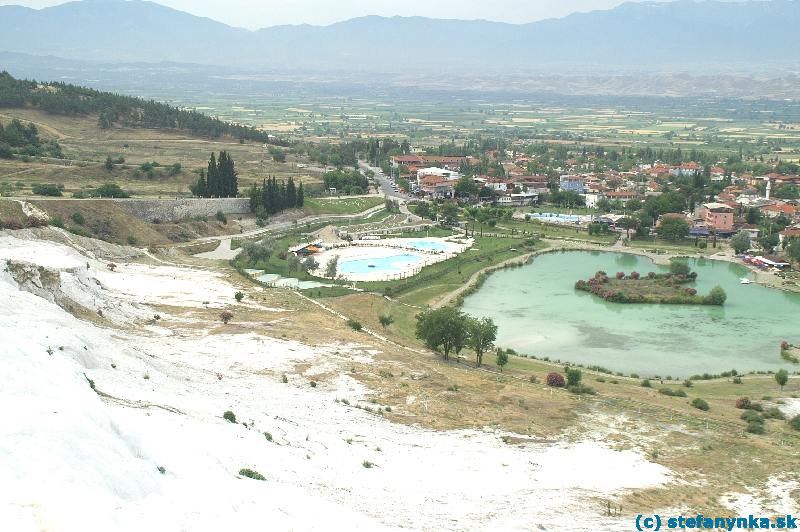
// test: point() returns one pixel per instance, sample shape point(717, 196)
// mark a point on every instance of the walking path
point(223, 251)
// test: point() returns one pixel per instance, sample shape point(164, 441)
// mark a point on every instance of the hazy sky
point(260, 13)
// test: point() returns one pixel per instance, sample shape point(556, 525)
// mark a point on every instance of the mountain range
point(703, 36)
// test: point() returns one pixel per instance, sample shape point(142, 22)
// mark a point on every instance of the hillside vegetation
point(112, 109)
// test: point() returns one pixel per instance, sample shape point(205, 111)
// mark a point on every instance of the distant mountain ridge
point(647, 35)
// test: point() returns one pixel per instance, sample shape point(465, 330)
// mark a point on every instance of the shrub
point(533, 379)
point(646, 384)
point(784, 345)
point(556, 380)
point(47, 189)
point(220, 216)
point(385, 321)
point(284, 379)
point(700, 404)
point(573, 376)
point(581, 389)
point(355, 325)
point(737, 380)
point(795, 422)
point(755, 428)
point(313, 384)
point(751, 417)
point(367, 464)
point(620, 275)
point(679, 268)
point(773, 413)
point(672, 393)
point(230, 416)
point(743, 403)
point(239, 296)
point(132, 240)
point(249, 473)
point(635, 275)
point(110, 190)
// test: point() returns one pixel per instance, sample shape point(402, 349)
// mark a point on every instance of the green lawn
point(341, 206)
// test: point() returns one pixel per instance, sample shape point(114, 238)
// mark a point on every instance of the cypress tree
point(291, 194)
point(299, 200)
point(212, 178)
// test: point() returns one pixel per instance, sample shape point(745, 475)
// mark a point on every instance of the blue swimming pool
point(425, 245)
point(555, 218)
point(391, 264)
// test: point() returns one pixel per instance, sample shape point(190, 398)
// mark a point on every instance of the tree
point(332, 266)
point(555, 380)
point(782, 377)
point(226, 316)
point(310, 264)
point(740, 242)
point(717, 296)
point(502, 359)
point(482, 334)
point(466, 187)
point(292, 263)
point(442, 329)
point(793, 249)
point(679, 268)
point(628, 223)
point(300, 198)
point(449, 212)
point(109, 164)
point(673, 229)
point(385, 320)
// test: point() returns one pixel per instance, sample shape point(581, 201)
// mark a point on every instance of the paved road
point(385, 184)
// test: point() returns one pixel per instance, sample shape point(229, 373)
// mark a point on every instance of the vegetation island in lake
point(668, 288)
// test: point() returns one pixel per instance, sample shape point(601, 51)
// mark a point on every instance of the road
point(385, 184)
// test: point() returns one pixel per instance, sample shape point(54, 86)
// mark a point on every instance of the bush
point(751, 417)
point(773, 413)
point(78, 218)
point(743, 403)
point(555, 380)
point(717, 296)
point(47, 189)
point(268, 436)
point(737, 380)
point(573, 376)
point(230, 416)
point(672, 393)
point(249, 473)
point(226, 316)
point(581, 389)
point(700, 404)
point(239, 296)
point(110, 190)
point(755, 428)
point(355, 325)
point(795, 422)
point(220, 216)
point(646, 384)
point(679, 268)
point(132, 240)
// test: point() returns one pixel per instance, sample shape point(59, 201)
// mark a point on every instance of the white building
point(449, 175)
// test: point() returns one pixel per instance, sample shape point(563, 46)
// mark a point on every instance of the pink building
point(717, 216)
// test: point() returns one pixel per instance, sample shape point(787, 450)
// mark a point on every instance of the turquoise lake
point(539, 312)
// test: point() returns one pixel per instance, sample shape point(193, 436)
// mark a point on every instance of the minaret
point(769, 187)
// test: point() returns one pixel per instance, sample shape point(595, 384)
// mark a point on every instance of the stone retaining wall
point(173, 210)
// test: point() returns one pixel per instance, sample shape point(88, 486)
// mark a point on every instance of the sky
point(254, 14)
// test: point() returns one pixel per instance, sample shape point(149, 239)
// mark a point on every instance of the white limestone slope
point(75, 459)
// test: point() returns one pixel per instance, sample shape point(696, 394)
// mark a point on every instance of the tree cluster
point(220, 180)
point(448, 330)
point(19, 139)
point(347, 182)
point(274, 196)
